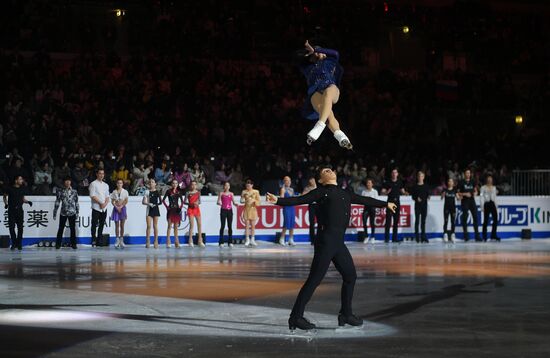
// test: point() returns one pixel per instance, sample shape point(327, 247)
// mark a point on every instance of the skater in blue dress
point(289, 213)
point(323, 73)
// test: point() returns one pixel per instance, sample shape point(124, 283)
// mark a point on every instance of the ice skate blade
point(345, 143)
point(348, 327)
point(308, 335)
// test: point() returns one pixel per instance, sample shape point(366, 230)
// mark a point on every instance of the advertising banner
point(514, 214)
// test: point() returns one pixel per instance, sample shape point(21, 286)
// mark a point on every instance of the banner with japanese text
point(514, 214)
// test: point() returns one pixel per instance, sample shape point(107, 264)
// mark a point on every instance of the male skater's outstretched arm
point(308, 198)
point(368, 201)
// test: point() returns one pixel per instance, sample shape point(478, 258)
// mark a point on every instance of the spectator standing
point(467, 191)
point(99, 195)
point(420, 195)
point(449, 196)
point(152, 199)
point(14, 198)
point(289, 213)
point(250, 197)
point(198, 176)
point(60, 173)
point(80, 176)
point(43, 180)
point(193, 201)
point(226, 200)
point(488, 201)
point(173, 214)
point(369, 212)
point(393, 188)
point(119, 199)
point(67, 197)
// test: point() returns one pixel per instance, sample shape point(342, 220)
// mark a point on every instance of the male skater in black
point(420, 194)
point(449, 194)
point(333, 215)
point(467, 191)
point(14, 198)
point(393, 188)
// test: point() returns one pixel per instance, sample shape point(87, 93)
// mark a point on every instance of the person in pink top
point(226, 200)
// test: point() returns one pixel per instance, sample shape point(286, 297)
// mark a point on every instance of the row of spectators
point(46, 171)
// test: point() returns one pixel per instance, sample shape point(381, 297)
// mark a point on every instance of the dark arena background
point(125, 120)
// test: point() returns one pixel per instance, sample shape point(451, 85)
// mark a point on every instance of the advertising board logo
point(508, 215)
point(271, 217)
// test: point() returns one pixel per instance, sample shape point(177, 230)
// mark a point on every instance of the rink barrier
point(514, 214)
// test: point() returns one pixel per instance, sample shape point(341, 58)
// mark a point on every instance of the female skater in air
point(323, 73)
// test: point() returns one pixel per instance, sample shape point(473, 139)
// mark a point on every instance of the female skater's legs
point(328, 98)
point(322, 104)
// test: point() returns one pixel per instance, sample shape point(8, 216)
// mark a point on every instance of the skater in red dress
point(193, 201)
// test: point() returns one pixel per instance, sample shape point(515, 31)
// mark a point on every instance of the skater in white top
point(369, 212)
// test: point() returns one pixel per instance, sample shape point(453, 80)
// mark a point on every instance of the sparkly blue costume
point(319, 76)
point(289, 214)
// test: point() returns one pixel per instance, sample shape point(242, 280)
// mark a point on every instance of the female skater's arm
point(327, 51)
point(309, 198)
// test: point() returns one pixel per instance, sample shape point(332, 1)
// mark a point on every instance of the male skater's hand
point(392, 207)
point(271, 198)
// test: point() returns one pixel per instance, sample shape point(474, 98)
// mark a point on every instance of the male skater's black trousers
point(490, 209)
point(369, 213)
point(15, 219)
point(392, 220)
point(72, 227)
point(449, 212)
point(98, 222)
point(420, 213)
point(325, 253)
point(469, 206)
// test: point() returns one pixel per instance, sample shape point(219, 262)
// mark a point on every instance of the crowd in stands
point(198, 99)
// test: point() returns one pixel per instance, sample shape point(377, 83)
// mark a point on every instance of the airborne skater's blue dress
point(320, 75)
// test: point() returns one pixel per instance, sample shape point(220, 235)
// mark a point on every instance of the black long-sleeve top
point(333, 207)
point(420, 192)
